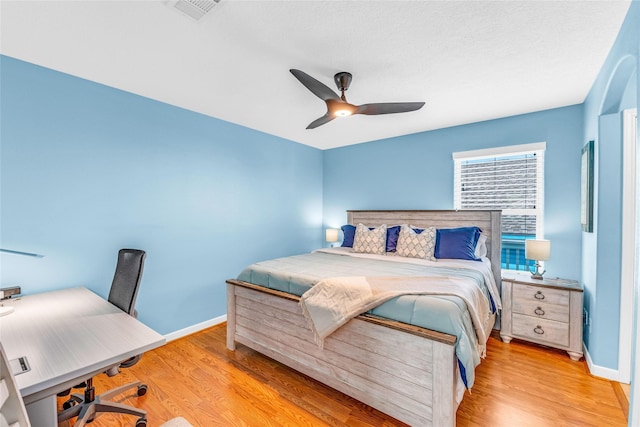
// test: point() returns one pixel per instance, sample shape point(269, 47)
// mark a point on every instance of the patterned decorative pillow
point(370, 241)
point(414, 245)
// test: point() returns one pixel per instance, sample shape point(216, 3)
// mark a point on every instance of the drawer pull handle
point(538, 330)
point(539, 295)
point(539, 311)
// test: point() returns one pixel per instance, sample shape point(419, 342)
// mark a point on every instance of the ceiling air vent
point(196, 9)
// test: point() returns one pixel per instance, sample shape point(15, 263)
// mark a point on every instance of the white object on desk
point(68, 336)
point(4, 310)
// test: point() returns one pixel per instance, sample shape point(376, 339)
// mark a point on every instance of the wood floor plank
point(622, 392)
point(196, 377)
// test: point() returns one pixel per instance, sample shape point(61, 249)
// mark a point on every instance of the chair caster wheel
point(68, 404)
point(141, 422)
point(142, 390)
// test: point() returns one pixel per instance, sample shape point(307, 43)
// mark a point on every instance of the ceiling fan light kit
point(340, 109)
point(337, 106)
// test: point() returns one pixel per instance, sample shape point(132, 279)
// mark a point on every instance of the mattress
point(442, 313)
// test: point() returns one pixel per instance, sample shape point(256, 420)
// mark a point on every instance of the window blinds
point(508, 178)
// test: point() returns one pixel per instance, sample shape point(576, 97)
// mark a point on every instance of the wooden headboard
point(488, 221)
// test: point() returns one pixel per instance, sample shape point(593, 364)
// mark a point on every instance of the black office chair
point(123, 293)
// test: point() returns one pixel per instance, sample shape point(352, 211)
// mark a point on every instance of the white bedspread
point(484, 266)
point(334, 301)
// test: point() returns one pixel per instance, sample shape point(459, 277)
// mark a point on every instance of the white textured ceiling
point(469, 60)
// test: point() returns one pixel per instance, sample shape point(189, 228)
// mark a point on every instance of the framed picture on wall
point(586, 186)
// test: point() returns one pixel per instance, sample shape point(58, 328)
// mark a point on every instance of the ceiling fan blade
point(322, 120)
point(388, 108)
point(320, 90)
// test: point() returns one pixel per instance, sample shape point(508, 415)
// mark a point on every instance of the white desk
point(67, 336)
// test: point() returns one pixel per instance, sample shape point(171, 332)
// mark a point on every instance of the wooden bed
point(370, 359)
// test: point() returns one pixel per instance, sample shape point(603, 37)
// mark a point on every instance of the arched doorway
point(621, 101)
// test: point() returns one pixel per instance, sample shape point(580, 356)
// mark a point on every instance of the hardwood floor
point(196, 377)
point(623, 393)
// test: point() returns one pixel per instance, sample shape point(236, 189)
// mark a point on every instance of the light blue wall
point(416, 172)
point(87, 169)
point(615, 89)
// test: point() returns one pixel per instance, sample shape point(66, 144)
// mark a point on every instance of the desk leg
point(43, 413)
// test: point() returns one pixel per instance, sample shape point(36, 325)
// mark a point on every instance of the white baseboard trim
point(600, 371)
point(195, 328)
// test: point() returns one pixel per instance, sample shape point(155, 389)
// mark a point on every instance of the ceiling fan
point(337, 106)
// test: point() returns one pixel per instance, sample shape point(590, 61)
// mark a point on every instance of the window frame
point(537, 148)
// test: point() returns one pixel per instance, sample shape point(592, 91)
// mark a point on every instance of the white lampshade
point(538, 250)
point(332, 235)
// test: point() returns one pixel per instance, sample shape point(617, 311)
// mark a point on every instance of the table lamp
point(537, 250)
point(331, 235)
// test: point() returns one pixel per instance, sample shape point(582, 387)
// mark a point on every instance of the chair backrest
point(126, 280)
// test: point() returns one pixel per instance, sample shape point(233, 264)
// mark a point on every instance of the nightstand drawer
point(541, 330)
point(541, 309)
point(536, 293)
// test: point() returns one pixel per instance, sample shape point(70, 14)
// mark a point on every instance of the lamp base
point(5, 310)
point(537, 274)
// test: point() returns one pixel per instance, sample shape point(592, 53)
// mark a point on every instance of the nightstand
point(547, 312)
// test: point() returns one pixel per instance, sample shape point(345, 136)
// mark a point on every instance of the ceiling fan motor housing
point(343, 80)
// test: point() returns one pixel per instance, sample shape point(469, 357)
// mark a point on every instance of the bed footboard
point(404, 371)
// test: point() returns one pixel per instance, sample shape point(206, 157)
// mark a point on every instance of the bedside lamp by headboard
point(331, 235)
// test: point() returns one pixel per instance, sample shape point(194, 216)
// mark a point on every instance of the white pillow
point(370, 241)
point(481, 247)
point(414, 245)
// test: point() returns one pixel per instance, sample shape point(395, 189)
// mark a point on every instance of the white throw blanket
point(332, 302)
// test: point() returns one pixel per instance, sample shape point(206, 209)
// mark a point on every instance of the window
point(507, 178)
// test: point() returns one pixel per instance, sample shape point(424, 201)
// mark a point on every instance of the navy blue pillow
point(392, 238)
point(457, 243)
point(418, 230)
point(349, 232)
